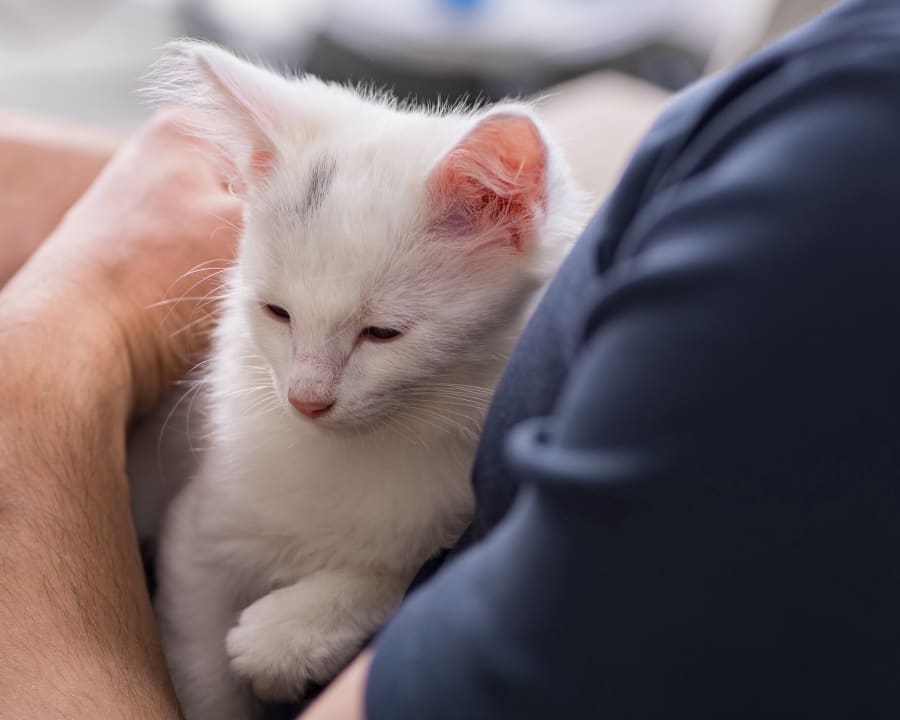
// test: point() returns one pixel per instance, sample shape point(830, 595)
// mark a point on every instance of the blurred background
point(82, 60)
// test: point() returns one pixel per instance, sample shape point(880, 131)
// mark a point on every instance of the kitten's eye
point(380, 333)
point(277, 312)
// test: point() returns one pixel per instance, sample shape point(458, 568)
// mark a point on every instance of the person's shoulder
point(869, 21)
point(855, 37)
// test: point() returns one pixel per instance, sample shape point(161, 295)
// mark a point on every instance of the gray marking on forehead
point(320, 178)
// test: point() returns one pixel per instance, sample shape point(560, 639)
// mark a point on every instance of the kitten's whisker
point(473, 401)
point(205, 269)
point(398, 423)
point(209, 268)
point(195, 270)
point(228, 223)
point(447, 388)
point(187, 422)
point(478, 410)
point(472, 429)
point(170, 301)
point(199, 365)
point(262, 408)
point(187, 326)
point(266, 401)
point(427, 392)
point(465, 406)
point(454, 391)
point(262, 387)
point(205, 273)
point(193, 390)
point(448, 413)
point(421, 418)
point(459, 386)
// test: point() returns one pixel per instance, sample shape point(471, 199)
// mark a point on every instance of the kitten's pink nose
point(310, 408)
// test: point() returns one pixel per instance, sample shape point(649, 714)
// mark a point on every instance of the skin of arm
point(345, 697)
point(84, 346)
point(44, 169)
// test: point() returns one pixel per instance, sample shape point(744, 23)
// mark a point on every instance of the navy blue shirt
point(689, 483)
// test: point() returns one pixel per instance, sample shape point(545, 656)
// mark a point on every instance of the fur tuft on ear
point(492, 186)
point(234, 105)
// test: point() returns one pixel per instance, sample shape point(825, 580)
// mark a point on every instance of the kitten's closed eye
point(380, 334)
point(277, 312)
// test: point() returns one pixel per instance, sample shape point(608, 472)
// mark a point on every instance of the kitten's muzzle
point(310, 408)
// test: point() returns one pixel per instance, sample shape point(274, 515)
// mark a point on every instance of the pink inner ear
point(493, 183)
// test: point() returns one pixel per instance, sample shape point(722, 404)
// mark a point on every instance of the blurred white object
point(81, 61)
point(487, 35)
point(740, 32)
point(263, 25)
point(623, 106)
point(771, 20)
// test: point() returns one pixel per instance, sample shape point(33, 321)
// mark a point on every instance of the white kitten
point(388, 261)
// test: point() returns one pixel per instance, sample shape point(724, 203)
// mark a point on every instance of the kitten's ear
point(237, 106)
point(492, 186)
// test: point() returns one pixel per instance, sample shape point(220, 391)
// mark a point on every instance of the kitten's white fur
point(297, 537)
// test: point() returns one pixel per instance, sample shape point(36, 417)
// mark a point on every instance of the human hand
point(344, 699)
point(138, 256)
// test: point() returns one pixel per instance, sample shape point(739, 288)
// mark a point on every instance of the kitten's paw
point(280, 650)
point(262, 655)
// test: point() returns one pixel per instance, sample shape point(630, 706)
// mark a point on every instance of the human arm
point(84, 345)
point(45, 166)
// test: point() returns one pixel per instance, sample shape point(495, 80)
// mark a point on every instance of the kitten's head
point(388, 254)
